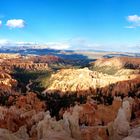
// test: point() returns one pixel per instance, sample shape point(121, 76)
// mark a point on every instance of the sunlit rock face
point(85, 81)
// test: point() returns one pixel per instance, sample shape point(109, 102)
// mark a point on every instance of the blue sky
point(78, 24)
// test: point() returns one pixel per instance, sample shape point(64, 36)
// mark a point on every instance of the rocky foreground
point(27, 119)
point(101, 102)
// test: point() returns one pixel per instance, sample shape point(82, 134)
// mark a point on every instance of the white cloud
point(0, 23)
point(134, 20)
point(15, 23)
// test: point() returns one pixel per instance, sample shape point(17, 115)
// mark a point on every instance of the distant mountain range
point(65, 54)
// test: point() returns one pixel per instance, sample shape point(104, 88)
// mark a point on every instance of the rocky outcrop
point(121, 124)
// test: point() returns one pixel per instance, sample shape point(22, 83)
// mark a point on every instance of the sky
point(112, 25)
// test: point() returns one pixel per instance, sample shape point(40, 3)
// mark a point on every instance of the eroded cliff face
point(24, 64)
point(29, 63)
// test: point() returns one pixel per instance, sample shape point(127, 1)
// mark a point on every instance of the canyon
point(56, 100)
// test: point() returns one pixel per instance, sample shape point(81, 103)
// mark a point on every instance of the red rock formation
point(25, 107)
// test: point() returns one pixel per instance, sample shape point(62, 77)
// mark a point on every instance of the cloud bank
point(15, 23)
point(73, 44)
